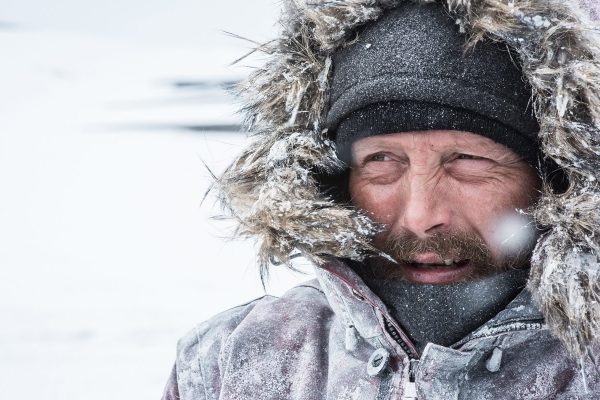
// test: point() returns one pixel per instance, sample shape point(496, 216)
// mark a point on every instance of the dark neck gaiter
point(444, 314)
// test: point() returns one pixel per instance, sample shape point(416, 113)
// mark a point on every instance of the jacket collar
point(351, 298)
point(362, 309)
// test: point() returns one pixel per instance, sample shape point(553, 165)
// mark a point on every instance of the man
point(405, 167)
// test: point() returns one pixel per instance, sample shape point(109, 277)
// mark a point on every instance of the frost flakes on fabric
point(277, 200)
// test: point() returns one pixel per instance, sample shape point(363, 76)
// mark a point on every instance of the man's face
point(443, 197)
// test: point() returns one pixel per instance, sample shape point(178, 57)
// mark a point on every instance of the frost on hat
point(410, 71)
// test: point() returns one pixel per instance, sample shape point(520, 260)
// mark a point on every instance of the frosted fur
point(271, 188)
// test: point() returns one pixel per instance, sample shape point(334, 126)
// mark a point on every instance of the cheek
point(381, 203)
point(488, 210)
point(481, 209)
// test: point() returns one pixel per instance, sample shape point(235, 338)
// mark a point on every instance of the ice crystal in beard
point(460, 247)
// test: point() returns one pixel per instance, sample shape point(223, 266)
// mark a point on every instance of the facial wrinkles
point(500, 169)
point(433, 185)
point(444, 189)
point(425, 171)
point(423, 187)
point(430, 161)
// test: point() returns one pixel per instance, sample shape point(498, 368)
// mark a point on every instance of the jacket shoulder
point(222, 325)
point(200, 351)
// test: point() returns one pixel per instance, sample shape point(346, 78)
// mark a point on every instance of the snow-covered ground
point(107, 255)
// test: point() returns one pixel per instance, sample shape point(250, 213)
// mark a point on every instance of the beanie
point(409, 71)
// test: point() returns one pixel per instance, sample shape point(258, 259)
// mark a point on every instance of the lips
point(437, 271)
point(447, 263)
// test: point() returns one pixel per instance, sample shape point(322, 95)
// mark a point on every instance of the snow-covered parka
point(335, 338)
point(273, 189)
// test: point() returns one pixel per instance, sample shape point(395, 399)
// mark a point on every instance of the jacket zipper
point(409, 386)
point(402, 341)
point(407, 346)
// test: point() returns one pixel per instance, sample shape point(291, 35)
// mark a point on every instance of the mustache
point(458, 246)
point(449, 245)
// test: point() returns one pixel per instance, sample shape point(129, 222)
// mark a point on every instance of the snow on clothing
point(408, 71)
point(333, 338)
point(273, 189)
point(317, 340)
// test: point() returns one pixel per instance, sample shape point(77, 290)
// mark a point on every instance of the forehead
point(431, 140)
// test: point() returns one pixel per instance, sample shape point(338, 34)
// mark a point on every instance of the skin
point(439, 182)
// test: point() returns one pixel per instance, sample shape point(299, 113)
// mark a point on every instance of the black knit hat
point(409, 71)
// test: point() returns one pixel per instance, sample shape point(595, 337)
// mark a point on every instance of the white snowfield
point(107, 255)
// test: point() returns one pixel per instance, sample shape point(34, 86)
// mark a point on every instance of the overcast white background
point(106, 254)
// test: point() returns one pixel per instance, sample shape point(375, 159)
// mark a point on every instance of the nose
point(426, 209)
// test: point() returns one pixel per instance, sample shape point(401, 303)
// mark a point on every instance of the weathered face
point(445, 198)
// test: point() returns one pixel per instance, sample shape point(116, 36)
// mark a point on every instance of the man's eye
point(378, 157)
point(463, 166)
point(468, 157)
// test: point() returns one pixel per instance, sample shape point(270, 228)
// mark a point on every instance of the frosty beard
point(460, 246)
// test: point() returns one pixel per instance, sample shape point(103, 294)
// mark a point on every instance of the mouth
point(447, 263)
point(438, 272)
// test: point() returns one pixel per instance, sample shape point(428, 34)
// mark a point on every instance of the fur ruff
point(271, 188)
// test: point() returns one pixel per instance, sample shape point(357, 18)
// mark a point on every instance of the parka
point(334, 338)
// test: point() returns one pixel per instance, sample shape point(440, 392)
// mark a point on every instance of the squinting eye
point(378, 157)
point(465, 165)
point(468, 157)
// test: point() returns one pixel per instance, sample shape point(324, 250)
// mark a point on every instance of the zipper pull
point(409, 391)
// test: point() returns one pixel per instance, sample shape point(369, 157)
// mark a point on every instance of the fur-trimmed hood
point(272, 188)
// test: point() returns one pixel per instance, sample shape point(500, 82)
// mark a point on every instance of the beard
point(462, 247)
